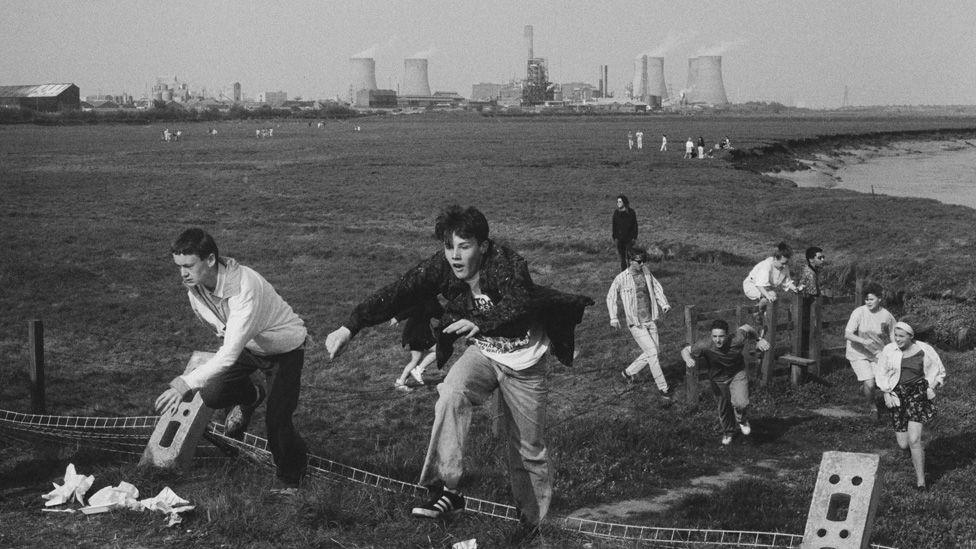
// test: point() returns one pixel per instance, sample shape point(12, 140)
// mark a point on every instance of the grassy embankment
point(330, 215)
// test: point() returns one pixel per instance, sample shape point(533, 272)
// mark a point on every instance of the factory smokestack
point(528, 41)
point(415, 81)
point(640, 91)
point(655, 78)
point(363, 73)
point(708, 81)
point(691, 85)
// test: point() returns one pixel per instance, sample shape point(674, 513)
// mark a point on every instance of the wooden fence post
point(816, 334)
point(798, 319)
point(766, 373)
point(691, 374)
point(35, 333)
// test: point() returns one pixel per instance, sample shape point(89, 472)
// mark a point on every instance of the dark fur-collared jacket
point(504, 277)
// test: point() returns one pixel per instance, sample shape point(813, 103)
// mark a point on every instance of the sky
point(893, 52)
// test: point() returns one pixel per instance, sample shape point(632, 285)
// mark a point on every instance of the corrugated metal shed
point(34, 90)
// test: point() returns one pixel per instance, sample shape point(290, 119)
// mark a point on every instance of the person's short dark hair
point(196, 242)
point(719, 324)
point(872, 289)
point(464, 222)
point(812, 252)
point(783, 250)
point(623, 198)
point(637, 253)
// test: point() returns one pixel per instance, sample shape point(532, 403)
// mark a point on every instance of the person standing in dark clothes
point(624, 229)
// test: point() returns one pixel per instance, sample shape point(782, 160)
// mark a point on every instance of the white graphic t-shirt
point(517, 353)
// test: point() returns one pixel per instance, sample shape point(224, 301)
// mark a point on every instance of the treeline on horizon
point(146, 116)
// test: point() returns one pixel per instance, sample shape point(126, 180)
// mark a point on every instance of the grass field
point(330, 215)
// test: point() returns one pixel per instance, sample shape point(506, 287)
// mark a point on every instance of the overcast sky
point(805, 53)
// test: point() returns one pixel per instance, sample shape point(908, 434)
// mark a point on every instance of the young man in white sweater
point(260, 332)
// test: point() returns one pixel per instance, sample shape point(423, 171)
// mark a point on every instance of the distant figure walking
point(664, 143)
point(643, 299)
point(630, 141)
point(167, 135)
point(701, 148)
point(640, 139)
point(689, 148)
point(624, 229)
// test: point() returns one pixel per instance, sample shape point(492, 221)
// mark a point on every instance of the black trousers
point(283, 373)
point(622, 247)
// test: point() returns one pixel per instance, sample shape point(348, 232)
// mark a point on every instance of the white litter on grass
point(168, 502)
point(466, 544)
point(74, 485)
point(123, 496)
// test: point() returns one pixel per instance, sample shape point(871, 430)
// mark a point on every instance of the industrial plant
point(646, 90)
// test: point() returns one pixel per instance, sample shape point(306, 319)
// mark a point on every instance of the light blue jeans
point(646, 337)
point(522, 410)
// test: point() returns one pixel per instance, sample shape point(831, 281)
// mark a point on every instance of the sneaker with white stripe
point(442, 504)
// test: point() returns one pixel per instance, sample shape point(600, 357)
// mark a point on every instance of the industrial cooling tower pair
point(704, 83)
point(415, 81)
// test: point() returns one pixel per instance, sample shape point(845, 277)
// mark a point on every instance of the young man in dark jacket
point(510, 324)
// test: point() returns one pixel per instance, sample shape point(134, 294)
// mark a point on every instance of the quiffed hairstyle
point(873, 289)
point(638, 253)
point(719, 324)
point(196, 242)
point(623, 198)
point(812, 252)
point(466, 223)
point(783, 250)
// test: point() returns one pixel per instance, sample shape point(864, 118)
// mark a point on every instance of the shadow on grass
point(769, 429)
point(945, 454)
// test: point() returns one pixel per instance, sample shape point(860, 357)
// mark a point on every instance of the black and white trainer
point(442, 504)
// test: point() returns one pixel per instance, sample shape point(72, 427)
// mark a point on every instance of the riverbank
point(940, 170)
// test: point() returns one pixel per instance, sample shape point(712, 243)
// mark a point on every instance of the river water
point(942, 170)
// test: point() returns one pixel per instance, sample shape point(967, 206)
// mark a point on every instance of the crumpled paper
point(168, 502)
point(466, 544)
point(74, 485)
point(123, 496)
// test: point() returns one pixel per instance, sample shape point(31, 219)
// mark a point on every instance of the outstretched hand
point(463, 327)
point(762, 345)
point(335, 342)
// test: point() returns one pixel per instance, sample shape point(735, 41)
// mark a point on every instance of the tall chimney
point(528, 40)
point(655, 78)
point(691, 86)
point(363, 73)
point(640, 89)
point(708, 82)
point(606, 81)
point(415, 81)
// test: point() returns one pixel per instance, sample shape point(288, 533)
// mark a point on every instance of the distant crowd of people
point(635, 141)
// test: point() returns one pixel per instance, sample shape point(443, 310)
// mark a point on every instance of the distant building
point(41, 97)
point(485, 91)
point(273, 98)
point(578, 91)
point(376, 99)
point(237, 93)
point(438, 99)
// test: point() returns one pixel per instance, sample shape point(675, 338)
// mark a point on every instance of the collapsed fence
point(129, 435)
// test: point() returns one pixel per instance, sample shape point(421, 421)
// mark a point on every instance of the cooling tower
point(415, 77)
point(640, 78)
point(655, 77)
point(691, 85)
point(363, 73)
point(708, 81)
